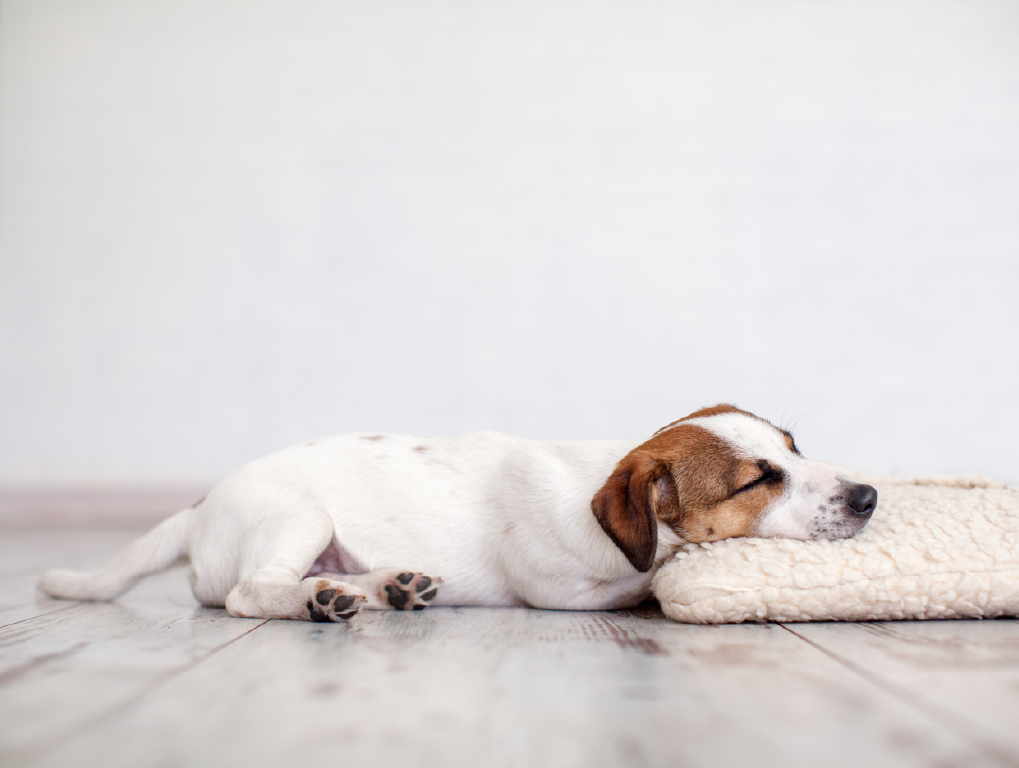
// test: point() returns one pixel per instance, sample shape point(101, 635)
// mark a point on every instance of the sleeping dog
point(318, 531)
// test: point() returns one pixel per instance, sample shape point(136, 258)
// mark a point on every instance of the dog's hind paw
point(409, 591)
point(334, 601)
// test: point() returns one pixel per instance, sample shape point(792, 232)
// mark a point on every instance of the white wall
point(229, 226)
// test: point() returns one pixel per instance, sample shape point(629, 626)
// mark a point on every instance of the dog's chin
point(845, 526)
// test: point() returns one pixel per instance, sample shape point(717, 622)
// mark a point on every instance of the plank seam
point(38, 615)
point(15, 672)
point(942, 716)
point(150, 687)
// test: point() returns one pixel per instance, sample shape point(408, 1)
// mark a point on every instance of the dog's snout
point(863, 500)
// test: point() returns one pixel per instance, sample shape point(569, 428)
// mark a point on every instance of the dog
point(318, 531)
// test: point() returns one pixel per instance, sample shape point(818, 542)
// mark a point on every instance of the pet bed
point(935, 549)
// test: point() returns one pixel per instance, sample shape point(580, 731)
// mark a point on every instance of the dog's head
point(722, 472)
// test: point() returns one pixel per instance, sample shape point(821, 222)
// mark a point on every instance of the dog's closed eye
point(769, 475)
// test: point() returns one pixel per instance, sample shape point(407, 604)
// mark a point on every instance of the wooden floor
point(156, 680)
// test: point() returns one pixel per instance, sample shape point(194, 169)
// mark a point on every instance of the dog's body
point(502, 521)
point(319, 530)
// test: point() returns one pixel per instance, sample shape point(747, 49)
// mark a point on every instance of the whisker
point(781, 421)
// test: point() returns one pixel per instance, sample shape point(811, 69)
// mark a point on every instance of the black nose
point(863, 500)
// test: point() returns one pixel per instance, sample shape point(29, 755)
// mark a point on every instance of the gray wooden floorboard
point(26, 552)
point(64, 671)
point(156, 680)
point(963, 673)
point(18, 601)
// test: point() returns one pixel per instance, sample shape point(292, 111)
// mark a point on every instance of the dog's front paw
point(411, 591)
point(334, 601)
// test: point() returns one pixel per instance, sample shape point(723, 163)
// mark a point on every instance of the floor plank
point(964, 673)
point(18, 601)
point(26, 553)
point(155, 680)
point(511, 687)
point(65, 670)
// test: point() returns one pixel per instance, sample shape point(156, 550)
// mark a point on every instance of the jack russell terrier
point(318, 531)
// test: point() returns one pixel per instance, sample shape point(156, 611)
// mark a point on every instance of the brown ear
point(625, 507)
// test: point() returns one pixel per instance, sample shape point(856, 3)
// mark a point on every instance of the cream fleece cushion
point(935, 549)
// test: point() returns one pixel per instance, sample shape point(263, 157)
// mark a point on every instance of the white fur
point(501, 521)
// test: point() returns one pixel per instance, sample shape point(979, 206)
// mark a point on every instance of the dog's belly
point(453, 550)
point(335, 559)
point(460, 587)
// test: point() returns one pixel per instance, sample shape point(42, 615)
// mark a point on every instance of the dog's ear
point(626, 507)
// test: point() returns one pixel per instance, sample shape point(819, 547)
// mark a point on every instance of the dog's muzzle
point(846, 513)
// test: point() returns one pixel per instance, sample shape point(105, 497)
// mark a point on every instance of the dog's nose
point(863, 500)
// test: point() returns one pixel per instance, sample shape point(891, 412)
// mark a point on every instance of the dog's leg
point(396, 589)
point(268, 595)
point(271, 584)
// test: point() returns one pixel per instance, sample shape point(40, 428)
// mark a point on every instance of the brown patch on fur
point(626, 507)
point(372, 437)
point(688, 478)
point(420, 448)
point(714, 410)
point(721, 408)
point(706, 473)
point(790, 442)
point(732, 516)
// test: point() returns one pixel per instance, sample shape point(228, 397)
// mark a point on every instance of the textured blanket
point(935, 549)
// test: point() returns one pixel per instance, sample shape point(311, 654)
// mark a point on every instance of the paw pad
point(412, 591)
point(333, 605)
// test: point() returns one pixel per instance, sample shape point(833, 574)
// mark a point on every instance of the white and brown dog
point(321, 530)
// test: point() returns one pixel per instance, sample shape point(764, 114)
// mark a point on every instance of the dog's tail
point(163, 546)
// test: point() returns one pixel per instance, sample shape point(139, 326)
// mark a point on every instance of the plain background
point(226, 227)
